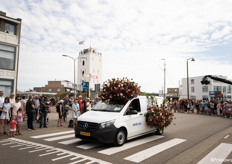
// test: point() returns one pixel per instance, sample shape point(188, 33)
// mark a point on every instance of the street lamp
point(74, 60)
point(164, 76)
point(192, 59)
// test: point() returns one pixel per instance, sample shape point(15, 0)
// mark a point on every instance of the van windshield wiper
point(104, 110)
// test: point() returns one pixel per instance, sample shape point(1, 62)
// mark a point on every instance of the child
point(12, 126)
point(19, 121)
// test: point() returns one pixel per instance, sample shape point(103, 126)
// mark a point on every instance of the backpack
point(58, 107)
point(70, 125)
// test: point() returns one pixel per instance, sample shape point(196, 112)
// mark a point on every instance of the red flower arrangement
point(158, 117)
point(119, 91)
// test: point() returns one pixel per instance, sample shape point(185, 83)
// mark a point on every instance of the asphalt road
point(194, 138)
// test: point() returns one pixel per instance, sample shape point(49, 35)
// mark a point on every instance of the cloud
point(133, 37)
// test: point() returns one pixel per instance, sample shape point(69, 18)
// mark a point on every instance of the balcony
point(8, 38)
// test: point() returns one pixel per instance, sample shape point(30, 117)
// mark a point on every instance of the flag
point(81, 43)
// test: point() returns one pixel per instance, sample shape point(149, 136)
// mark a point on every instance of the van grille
point(87, 125)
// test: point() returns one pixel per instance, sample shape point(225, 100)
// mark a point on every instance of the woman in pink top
point(218, 108)
point(13, 123)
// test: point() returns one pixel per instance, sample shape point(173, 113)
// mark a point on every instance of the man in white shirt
point(2, 99)
point(15, 106)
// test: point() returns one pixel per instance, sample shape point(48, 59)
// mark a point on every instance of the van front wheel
point(120, 137)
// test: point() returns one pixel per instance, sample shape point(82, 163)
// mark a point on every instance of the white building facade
point(198, 91)
point(10, 30)
point(89, 68)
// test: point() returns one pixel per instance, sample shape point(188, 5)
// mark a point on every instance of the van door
point(135, 122)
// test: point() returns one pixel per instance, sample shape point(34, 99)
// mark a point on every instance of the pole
point(187, 82)
point(74, 79)
point(164, 79)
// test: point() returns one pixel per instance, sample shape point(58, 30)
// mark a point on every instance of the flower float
point(119, 91)
point(158, 117)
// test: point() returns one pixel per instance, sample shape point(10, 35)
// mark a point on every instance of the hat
point(76, 98)
point(61, 101)
point(80, 96)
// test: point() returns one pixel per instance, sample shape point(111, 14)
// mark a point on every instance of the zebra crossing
point(68, 138)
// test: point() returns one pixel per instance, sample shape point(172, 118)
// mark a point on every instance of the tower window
point(83, 62)
point(83, 72)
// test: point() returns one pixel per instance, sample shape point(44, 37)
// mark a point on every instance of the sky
point(132, 35)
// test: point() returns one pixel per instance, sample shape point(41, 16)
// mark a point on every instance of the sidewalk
point(52, 124)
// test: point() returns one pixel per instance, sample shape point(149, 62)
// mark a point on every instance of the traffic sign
point(84, 85)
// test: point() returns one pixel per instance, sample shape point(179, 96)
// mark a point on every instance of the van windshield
point(107, 107)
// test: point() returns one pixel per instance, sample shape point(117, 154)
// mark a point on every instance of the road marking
point(32, 151)
point(147, 153)
point(129, 145)
point(88, 146)
point(4, 141)
point(56, 150)
point(81, 160)
point(27, 147)
point(9, 143)
point(61, 154)
point(18, 145)
point(60, 137)
point(226, 136)
point(61, 157)
point(70, 141)
point(52, 134)
point(218, 155)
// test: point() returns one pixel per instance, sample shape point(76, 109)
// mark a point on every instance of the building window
point(204, 88)
point(49, 89)
point(229, 89)
point(10, 28)
point(224, 89)
point(83, 62)
point(217, 88)
point(58, 89)
point(7, 86)
point(7, 57)
point(83, 72)
point(192, 89)
point(192, 81)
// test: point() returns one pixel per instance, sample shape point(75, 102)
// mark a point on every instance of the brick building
point(56, 87)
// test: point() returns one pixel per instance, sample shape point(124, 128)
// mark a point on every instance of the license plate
point(85, 133)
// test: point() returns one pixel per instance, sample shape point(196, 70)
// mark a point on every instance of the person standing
point(218, 108)
point(37, 104)
point(80, 104)
point(75, 111)
point(88, 105)
point(12, 100)
point(19, 121)
point(5, 116)
point(23, 106)
point(15, 106)
point(44, 113)
point(30, 107)
point(60, 109)
point(2, 99)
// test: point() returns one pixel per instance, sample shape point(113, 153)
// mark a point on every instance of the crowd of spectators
point(15, 110)
point(213, 107)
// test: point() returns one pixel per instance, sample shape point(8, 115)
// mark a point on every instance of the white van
point(114, 123)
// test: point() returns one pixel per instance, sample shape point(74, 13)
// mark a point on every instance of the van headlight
point(106, 124)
